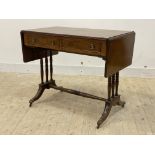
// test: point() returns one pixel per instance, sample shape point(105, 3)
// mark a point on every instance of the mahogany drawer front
point(72, 44)
point(42, 41)
point(83, 46)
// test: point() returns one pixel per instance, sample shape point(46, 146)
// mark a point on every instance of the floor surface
point(61, 113)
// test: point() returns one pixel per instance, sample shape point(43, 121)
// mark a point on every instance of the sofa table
point(114, 47)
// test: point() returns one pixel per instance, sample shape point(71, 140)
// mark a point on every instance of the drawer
point(82, 46)
point(42, 41)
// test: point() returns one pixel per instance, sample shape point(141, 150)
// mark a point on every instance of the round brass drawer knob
point(92, 46)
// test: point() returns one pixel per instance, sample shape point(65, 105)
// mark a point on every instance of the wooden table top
point(83, 32)
point(113, 46)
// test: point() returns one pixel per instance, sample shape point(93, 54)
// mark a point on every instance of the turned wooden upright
point(114, 47)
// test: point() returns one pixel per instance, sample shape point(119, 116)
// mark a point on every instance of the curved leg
point(108, 105)
point(121, 103)
point(44, 85)
point(38, 94)
point(105, 114)
point(113, 98)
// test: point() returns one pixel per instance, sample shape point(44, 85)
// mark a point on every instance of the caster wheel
point(123, 104)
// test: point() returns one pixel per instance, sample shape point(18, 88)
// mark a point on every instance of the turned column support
point(42, 70)
point(46, 67)
point(44, 73)
point(117, 83)
point(113, 98)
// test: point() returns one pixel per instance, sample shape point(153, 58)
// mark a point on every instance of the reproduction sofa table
point(114, 47)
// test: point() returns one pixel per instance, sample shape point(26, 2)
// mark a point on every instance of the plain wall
point(144, 51)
